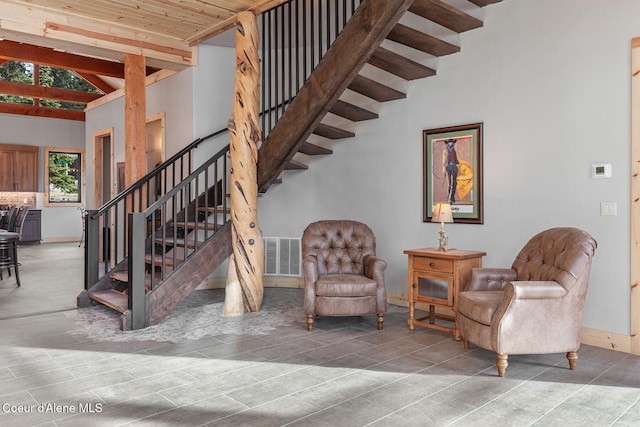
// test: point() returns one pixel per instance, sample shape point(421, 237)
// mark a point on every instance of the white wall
point(172, 95)
point(550, 80)
point(58, 223)
point(213, 81)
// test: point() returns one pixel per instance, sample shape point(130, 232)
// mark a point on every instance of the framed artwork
point(453, 171)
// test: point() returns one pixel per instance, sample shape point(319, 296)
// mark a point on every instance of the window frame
point(82, 185)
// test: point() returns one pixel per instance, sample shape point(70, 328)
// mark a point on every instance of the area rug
point(198, 316)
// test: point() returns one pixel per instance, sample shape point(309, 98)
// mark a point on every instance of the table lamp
point(442, 213)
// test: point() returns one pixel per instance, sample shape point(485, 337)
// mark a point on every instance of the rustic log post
point(247, 263)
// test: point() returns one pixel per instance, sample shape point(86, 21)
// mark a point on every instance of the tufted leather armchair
point(342, 275)
point(536, 306)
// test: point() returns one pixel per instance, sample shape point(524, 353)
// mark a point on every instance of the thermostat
point(601, 170)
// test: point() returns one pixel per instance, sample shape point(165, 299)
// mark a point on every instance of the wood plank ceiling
point(92, 38)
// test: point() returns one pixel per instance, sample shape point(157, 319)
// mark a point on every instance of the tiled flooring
point(267, 370)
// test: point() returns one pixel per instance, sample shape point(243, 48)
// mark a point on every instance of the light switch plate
point(608, 208)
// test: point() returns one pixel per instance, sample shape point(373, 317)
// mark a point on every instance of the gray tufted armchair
point(342, 275)
point(536, 306)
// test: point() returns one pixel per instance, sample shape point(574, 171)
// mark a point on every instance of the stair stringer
point(161, 301)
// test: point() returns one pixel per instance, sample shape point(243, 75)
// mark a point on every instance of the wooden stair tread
point(421, 41)
point(445, 15)
point(168, 259)
point(179, 242)
point(332, 132)
point(483, 3)
point(192, 225)
point(374, 90)
point(215, 209)
point(295, 165)
point(352, 112)
point(399, 65)
point(123, 276)
point(111, 298)
point(313, 150)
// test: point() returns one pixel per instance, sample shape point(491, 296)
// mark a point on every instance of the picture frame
point(439, 178)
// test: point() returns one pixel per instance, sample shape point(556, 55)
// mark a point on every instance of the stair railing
point(295, 36)
point(106, 229)
point(157, 252)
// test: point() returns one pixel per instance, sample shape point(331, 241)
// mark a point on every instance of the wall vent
point(282, 256)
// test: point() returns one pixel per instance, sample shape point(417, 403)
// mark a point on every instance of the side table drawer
point(433, 264)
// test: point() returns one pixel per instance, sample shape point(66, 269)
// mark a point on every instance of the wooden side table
point(435, 278)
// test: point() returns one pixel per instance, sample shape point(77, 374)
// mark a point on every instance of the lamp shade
point(442, 213)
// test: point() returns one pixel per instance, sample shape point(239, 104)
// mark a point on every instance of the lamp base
point(443, 240)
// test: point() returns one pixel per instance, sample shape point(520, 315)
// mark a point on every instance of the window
point(64, 171)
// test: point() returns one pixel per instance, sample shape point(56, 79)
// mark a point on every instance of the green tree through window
point(64, 177)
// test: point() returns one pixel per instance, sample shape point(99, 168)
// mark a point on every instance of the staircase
point(144, 263)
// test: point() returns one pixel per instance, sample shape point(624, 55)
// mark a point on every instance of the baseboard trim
point(63, 239)
point(268, 282)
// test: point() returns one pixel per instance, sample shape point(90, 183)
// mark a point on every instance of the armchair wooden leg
point(572, 357)
point(465, 343)
point(501, 363)
point(309, 322)
point(380, 320)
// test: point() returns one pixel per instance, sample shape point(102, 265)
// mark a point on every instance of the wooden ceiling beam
point(30, 110)
point(96, 82)
point(14, 51)
point(86, 34)
point(33, 91)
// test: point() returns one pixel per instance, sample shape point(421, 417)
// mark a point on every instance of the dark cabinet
point(31, 229)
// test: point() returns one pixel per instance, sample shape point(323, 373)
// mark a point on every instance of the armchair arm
point(490, 279)
point(534, 316)
point(310, 268)
point(374, 268)
point(525, 290)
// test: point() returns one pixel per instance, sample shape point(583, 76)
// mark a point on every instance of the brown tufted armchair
point(536, 306)
point(342, 275)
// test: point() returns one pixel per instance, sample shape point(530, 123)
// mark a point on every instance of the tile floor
point(69, 368)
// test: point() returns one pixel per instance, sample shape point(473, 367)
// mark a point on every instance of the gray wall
point(550, 80)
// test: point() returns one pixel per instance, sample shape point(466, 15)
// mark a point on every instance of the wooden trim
point(153, 78)
point(135, 119)
point(184, 53)
point(604, 339)
point(635, 197)
point(83, 184)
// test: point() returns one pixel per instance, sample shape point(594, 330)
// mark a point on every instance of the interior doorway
point(155, 152)
point(103, 184)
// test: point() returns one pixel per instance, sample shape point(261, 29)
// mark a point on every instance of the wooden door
point(26, 172)
point(7, 182)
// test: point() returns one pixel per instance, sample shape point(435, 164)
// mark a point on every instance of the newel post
point(244, 289)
